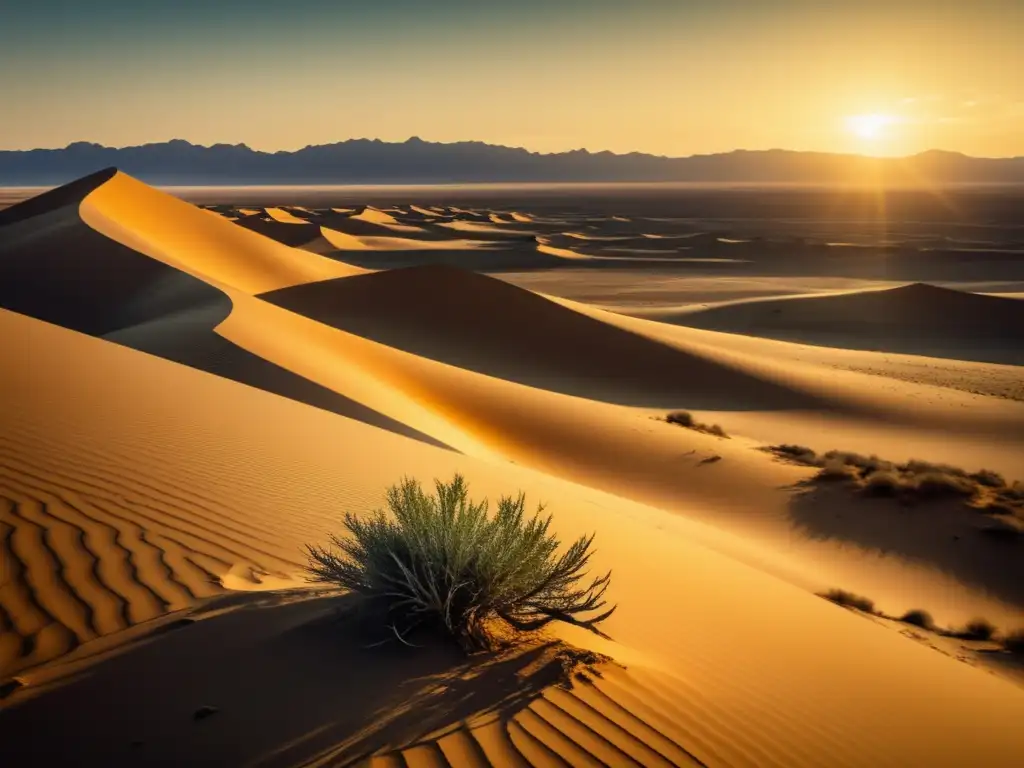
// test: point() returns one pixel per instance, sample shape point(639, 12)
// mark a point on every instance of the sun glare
point(868, 126)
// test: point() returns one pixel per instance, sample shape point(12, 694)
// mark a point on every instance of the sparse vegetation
point(685, 419)
point(439, 561)
point(911, 482)
point(1014, 642)
point(977, 629)
point(850, 600)
point(918, 618)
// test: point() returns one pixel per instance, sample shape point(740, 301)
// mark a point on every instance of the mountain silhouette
point(418, 161)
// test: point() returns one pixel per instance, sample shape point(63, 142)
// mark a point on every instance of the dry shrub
point(850, 600)
point(441, 562)
point(1014, 642)
point(918, 618)
point(685, 419)
point(977, 629)
point(885, 483)
point(799, 454)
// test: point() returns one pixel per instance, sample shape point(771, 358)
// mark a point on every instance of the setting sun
point(868, 126)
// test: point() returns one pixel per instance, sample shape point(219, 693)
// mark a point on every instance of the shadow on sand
point(961, 542)
point(271, 679)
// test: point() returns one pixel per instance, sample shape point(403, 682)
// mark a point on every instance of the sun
point(869, 127)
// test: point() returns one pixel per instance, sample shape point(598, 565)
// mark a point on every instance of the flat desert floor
point(198, 383)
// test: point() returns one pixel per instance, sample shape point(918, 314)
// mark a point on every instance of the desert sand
point(191, 395)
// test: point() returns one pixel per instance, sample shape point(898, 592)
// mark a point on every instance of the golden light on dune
point(870, 126)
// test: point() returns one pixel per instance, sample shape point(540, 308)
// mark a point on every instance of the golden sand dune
point(343, 241)
point(480, 228)
point(179, 456)
point(152, 516)
point(371, 215)
point(283, 216)
point(506, 332)
point(212, 249)
point(919, 317)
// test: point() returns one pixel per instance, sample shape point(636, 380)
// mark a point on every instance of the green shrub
point(850, 600)
point(442, 563)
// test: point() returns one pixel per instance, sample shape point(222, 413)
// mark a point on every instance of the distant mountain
point(417, 161)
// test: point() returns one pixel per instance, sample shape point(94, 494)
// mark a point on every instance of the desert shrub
point(988, 478)
point(866, 464)
point(835, 470)
point(918, 467)
point(1013, 493)
point(977, 629)
point(682, 418)
point(1014, 642)
point(918, 618)
point(685, 419)
point(800, 454)
point(940, 485)
point(440, 562)
point(850, 600)
point(882, 483)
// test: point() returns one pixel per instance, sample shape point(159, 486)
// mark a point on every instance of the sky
point(667, 77)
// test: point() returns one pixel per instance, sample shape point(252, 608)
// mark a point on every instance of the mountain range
point(417, 161)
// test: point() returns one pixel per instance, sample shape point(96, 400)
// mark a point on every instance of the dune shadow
point(275, 681)
point(959, 541)
point(478, 323)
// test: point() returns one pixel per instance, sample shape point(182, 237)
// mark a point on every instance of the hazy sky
point(674, 77)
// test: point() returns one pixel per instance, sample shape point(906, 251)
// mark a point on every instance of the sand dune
point(920, 318)
point(688, 692)
point(180, 235)
point(283, 216)
point(473, 321)
point(153, 514)
point(382, 219)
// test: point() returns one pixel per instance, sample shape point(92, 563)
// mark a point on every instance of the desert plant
point(681, 418)
point(685, 419)
point(918, 618)
point(939, 485)
point(865, 464)
point(850, 600)
point(882, 483)
point(977, 629)
point(799, 454)
point(988, 478)
point(1014, 642)
point(834, 470)
point(442, 562)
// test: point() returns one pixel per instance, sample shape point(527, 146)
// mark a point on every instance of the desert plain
point(197, 383)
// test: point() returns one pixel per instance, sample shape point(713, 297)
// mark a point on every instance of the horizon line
point(581, 150)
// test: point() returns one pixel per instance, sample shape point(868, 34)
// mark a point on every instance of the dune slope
point(138, 476)
point(476, 322)
point(921, 318)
